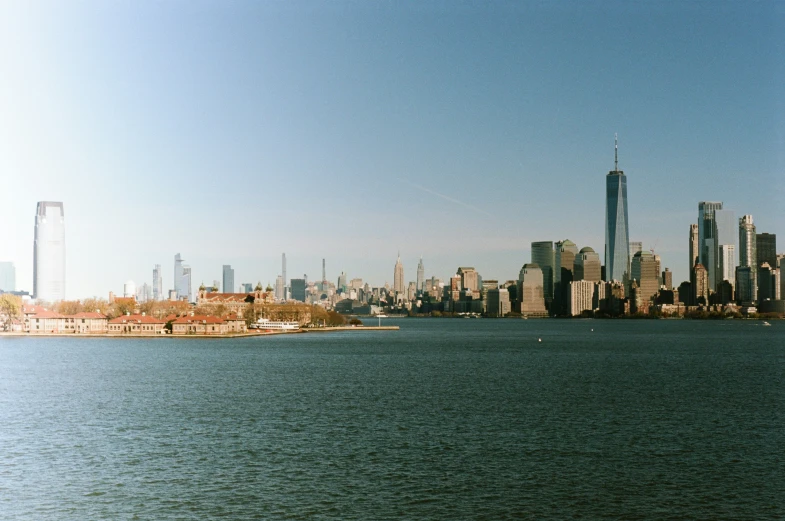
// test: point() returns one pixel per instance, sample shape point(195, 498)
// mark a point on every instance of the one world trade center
point(617, 230)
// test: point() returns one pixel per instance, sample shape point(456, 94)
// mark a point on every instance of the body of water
point(444, 419)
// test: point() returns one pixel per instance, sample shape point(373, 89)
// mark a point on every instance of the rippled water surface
point(444, 419)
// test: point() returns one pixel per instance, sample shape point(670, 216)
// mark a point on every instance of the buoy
point(539, 340)
point(592, 330)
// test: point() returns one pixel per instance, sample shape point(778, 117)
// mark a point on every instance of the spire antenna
point(616, 153)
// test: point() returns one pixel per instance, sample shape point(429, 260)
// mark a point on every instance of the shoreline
point(21, 334)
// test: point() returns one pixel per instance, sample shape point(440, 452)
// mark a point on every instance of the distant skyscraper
point(724, 235)
point(7, 276)
point(324, 271)
point(694, 246)
point(342, 285)
point(49, 252)
point(766, 282)
point(766, 246)
point(185, 283)
point(158, 285)
point(246, 287)
point(398, 283)
point(228, 279)
point(129, 289)
point(707, 243)
point(667, 279)
point(748, 256)
point(283, 275)
point(298, 289)
point(645, 270)
point(699, 282)
point(745, 284)
point(542, 255)
point(420, 276)
point(635, 247)
point(587, 265)
point(178, 275)
point(530, 290)
point(727, 264)
point(617, 231)
point(470, 279)
point(279, 288)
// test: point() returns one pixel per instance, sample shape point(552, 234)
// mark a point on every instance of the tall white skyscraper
point(158, 285)
point(178, 275)
point(49, 252)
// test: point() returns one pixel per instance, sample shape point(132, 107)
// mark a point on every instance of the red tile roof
point(48, 314)
point(198, 319)
point(32, 309)
point(138, 319)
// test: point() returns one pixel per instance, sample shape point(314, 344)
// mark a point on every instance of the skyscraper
point(279, 288)
point(617, 231)
point(398, 283)
point(646, 271)
point(530, 290)
point(542, 255)
point(228, 279)
point(283, 275)
point(706, 240)
point(158, 285)
point(587, 265)
point(49, 252)
point(185, 283)
point(766, 246)
point(748, 257)
point(725, 239)
point(178, 275)
point(420, 276)
point(699, 282)
point(469, 278)
point(694, 246)
point(7, 276)
point(635, 247)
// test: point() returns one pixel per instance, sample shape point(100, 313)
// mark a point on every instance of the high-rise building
point(420, 276)
point(158, 284)
point(398, 283)
point(706, 242)
point(7, 276)
point(178, 275)
point(745, 284)
point(667, 279)
point(279, 288)
point(699, 283)
point(283, 276)
point(129, 289)
point(724, 235)
point(298, 289)
point(587, 265)
point(748, 256)
point(694, 246)
point(49, 252)
point(469, 278)
point(342, 285)
point(543, 256)
point(582, 293)
point(635, 247)
point(185, 284)
point(228, 279)
point(246, 287)
point(766, 245)
point(530, 290)
point(645, 270)
point(617, 231)
point(726, 269)
point(766, 282)
point(497, 302)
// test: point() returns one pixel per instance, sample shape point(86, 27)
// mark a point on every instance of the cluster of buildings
point(731, 265)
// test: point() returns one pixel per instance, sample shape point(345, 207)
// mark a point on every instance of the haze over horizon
point(233, 132)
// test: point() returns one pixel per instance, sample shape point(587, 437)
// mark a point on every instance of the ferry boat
point(271, 325)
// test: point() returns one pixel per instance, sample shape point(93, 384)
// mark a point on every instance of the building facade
point(498, 302)
point(530, 290)
point(158, 283)
point(49, 252)
point(7, 276)
point(228, 279)
point(587, 265)
point(748, 256)
point(398, 281)
point(694, 252)
point(543, 256)
point(645, 271)
point(582, 297)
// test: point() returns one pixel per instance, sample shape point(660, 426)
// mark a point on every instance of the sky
point(233, 131)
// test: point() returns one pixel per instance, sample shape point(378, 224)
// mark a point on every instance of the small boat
point(765, 323)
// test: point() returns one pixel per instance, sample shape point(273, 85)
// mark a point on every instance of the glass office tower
point(617, 230)
point(49, 252)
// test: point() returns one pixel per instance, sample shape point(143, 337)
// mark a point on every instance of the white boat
point(766, 323)
point(271, 325)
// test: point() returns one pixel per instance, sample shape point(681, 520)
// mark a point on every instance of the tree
point(68, 307)
point(10, 309)
point(251, 314)
point(93, 305)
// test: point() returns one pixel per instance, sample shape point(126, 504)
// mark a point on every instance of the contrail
point(446, 197)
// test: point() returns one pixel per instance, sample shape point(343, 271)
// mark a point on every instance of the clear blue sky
point(233, 131)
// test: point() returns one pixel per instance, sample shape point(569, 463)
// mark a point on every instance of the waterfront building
point(49, 252)
point(587, 265)
point(298, 289)
point(530, 291)
point(228, 278)
point(41, 321)
point(685, 291)
point(136, 325)
point(667, 279)
point(745, 284)
point(694, 248)
point(543, 256)
point(766, 282)
point(748, 256)
point(699, 283)
point(7, 277)
point(497, 302)
point(724, 237)
point(398, 280)
point(617, 232)
point(420, 276)
point(582, 297)
point(158, 285)
point(646, 272)
point(724, 295)
point(766, 246)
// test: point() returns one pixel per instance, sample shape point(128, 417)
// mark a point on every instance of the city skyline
point(430, 138)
